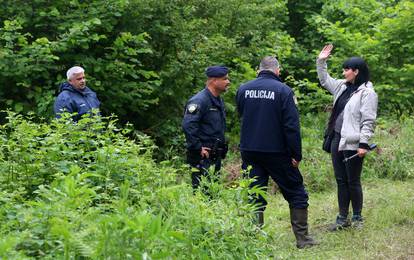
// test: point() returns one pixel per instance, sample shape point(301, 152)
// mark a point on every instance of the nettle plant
point(34, 154)
point(92, 189)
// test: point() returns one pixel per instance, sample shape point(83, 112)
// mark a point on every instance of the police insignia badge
point(192, 108)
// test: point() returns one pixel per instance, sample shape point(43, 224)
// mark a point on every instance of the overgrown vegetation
point(93, 190)
point(103, 188)
point(145, 58)
point(86, 190)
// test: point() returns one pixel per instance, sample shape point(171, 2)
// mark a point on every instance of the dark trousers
point(202, 169)
point(348, 178)
point(280, 169)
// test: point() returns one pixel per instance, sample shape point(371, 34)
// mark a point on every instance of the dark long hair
point(358, 63)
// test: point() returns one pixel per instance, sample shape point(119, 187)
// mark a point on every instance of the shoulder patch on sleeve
point(192, 108)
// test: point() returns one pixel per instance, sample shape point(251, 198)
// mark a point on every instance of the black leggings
point(348, 178)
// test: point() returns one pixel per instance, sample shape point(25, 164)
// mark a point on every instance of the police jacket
point(204, 120)
point(73, 100)
point(269, 117)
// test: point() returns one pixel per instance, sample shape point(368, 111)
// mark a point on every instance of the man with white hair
point(75, 96)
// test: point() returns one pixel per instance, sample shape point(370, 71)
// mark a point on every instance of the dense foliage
point(145, 58)
point(94, 190)
point(72, 190)
point(380, 32)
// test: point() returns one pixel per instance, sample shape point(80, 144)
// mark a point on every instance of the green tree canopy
point(146, 58)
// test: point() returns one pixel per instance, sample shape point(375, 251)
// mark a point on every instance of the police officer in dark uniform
point(204, 124)
point(271, 144)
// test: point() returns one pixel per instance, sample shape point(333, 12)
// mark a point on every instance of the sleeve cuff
point(320, 61)
point(364, 146)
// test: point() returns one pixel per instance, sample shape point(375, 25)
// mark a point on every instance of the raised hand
point(325, 52)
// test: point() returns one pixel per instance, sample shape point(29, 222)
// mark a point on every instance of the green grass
point(388, 232)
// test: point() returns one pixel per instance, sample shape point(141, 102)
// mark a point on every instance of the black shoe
point(340, 223)
point(357, 221)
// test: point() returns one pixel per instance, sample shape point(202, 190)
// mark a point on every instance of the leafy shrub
point(378, 31)
point(72, 190)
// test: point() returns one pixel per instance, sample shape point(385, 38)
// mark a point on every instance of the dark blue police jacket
point(204, 120)
point(270, 119)
point(73, 100)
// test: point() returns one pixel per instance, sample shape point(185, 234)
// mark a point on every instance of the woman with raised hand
point(350, 127)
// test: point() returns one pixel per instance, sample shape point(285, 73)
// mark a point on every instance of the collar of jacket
point(215, 100)
point(67, 86)
point(364, 85)
point(361, 87)
point(367, 84)
point(268, 74)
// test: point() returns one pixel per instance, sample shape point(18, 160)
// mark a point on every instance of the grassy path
point(388, 232)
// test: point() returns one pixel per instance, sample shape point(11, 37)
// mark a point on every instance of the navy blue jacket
point(270, 119)
point(73, 100)
point(204, 120)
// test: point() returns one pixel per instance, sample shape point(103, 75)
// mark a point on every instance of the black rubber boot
point(259, 219)
point(299, 221)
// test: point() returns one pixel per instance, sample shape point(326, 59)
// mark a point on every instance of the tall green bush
point(380, 32)
point(143, 58)
point(146, 58)
point(86, 189)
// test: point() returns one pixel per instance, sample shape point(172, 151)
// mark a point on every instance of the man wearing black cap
point(204, 124)
point(271, 144)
